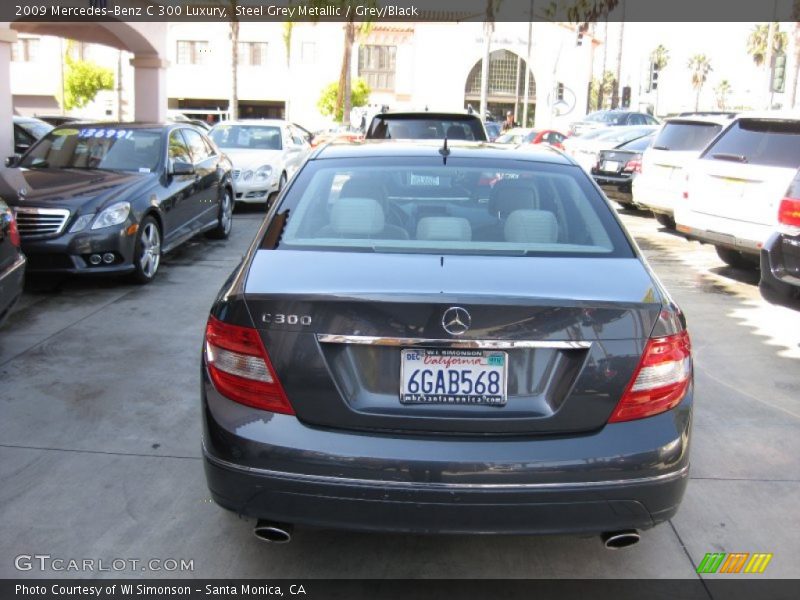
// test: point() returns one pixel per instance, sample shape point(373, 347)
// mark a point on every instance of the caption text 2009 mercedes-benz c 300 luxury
point(438, 339)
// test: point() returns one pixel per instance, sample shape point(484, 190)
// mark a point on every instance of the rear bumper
point(648, 194)
point(272, 466)
point(780, 260)
point(747, 238)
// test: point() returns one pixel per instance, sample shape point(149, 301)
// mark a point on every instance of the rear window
point(467, 206)
point(761, 142)
point(604, 116)
point(425, 128)
point(638, 145)
point(686, 136)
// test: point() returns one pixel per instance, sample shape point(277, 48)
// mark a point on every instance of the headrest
point(456, 132)
point(360, 186)
point(444, 229)
point(357, 217)
point(536, 226)
point(509, 195)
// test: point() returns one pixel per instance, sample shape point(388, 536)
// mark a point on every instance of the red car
point(532, 136)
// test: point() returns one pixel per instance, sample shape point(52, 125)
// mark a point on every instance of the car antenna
point(444, 150)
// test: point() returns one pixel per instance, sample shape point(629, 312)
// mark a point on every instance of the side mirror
point(12, 161)
point(182, 168)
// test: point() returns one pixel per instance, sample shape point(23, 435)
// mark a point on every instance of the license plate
point(611, 165)
point(424, 179)
point(443, 376)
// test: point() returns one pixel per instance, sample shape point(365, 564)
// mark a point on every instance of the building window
point(253, 53)
point(25, 50)
point(192, 52)
point(308, 53)
point(376, 64)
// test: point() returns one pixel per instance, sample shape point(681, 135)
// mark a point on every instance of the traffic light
point(559, 91)
point(778, 78)
point(652, 84)
point(626, 96)
point(581, 30)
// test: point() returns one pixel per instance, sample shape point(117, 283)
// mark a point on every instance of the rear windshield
point(623, 135)
point(112, 148)
point(760, 142)
point(686, 136)
point(425, 128)
point(638, 145)
point(246, 137)
point(468, 206)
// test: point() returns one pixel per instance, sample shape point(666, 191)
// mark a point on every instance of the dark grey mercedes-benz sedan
point(458, 339)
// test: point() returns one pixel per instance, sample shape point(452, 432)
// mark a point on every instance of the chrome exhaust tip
point(614, 540)
point(272, 532)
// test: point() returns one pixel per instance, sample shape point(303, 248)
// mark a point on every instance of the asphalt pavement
point(100, 439)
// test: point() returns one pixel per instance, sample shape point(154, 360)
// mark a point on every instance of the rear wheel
point(665, 220)
point(736, 259)
point(225, 217)
point(147, 251)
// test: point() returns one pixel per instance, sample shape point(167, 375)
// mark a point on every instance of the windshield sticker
point(144, 170)
point(91, 132)
point(65, 132)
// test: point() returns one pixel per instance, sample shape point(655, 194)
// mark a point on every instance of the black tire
point(736, 259)
point(665, 220)
point(147, 251)
point(778, 292)
point(224, 218)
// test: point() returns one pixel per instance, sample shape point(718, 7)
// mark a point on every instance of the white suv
point(733, 190)
point(661, 181)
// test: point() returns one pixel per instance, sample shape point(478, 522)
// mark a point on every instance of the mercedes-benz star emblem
point(456, 320)
point(22, 192)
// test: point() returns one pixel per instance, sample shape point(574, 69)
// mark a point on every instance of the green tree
point(722, 91)
point(601, 91)
point(83, 80)
point(700, 67)
point(328, 101)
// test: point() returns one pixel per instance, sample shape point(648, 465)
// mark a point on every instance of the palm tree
point(659, 58)
point(700, 67)
point(722, 90)
point(757, 43)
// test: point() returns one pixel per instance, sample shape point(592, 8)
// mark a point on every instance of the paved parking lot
point(100, 437)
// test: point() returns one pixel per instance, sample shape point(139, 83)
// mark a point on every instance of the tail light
point(13, 232)
point(660, 381)
point(686, 188)
point(240, 368)
point(633, 166)
point(789, 214)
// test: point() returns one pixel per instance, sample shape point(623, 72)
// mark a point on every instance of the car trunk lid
point(570, 333)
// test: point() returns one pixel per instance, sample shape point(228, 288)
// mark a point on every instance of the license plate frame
point(462, 360)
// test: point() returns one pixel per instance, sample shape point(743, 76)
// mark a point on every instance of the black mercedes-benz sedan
point(438, 339)
point(110, 198)
point(12, 262)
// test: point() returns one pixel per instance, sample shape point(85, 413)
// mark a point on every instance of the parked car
point(265, 154)
point(27, 131)
point(340, 134)
point(522, 135)
point(733, 191)
point(617, 169)
point(586, 148)
point(780, 256)
point(661, 183)
point(111, 198)
point(600, 119)
point(396, 354)
point(425, 125)
point(12, 262)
